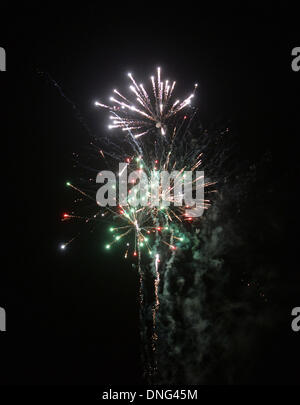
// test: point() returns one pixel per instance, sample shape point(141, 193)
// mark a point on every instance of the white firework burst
point(153, 111)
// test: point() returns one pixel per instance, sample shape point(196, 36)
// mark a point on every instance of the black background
point(72, 318)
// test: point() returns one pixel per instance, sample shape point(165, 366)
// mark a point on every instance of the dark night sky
point(73, 317)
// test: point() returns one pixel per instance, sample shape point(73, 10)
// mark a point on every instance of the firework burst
point(149, 111)
point(175, 151)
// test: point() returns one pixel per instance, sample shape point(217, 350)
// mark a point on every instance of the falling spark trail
point(156, 305)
